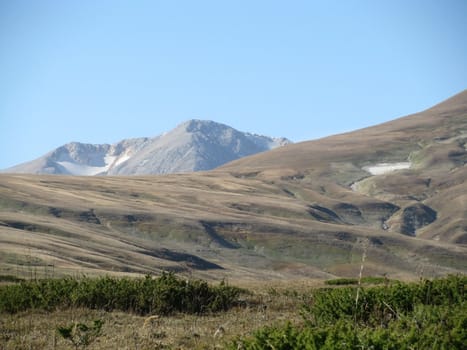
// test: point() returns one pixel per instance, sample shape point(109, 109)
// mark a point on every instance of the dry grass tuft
point(269, 304)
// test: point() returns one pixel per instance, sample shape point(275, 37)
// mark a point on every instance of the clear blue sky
point(99, 71)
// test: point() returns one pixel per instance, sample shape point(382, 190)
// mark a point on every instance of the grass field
point(266, 304)
point(274, 315)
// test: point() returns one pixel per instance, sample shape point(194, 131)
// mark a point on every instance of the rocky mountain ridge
point(195, 145)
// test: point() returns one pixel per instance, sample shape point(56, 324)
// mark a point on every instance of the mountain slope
point(192, 146)
point(429, 149)
point(392, 141)
point(395, 192)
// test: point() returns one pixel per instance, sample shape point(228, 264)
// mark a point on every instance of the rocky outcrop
point(416, 216)
point(195, 145)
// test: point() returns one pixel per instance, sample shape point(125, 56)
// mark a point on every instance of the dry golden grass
point(252, 228)
point(271, 303)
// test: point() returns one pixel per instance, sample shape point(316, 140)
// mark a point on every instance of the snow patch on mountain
point(194, 145)
point(82, 170)
point(384, 168)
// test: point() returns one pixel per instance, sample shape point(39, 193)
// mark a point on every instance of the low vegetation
point(81, 335)
point(172, 313)
point(164, 295)
point(428, 314)
point(350, 281)
point(10, 278)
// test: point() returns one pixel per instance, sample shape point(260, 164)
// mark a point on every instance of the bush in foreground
point(425, 315)
point(163, 295)
point(351, 281)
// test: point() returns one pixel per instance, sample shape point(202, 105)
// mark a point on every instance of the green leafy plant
point(423, 315)
point(10, 278)
point(163, 295)
point(354, 281)
point(81, 335)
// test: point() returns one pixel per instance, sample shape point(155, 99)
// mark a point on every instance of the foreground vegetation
point(424, 315)
point(171, 313)
point(164, 295)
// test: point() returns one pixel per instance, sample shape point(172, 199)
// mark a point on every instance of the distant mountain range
point(195, 145)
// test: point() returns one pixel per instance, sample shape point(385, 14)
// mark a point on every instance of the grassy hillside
point(213, 226)
point(304, 210)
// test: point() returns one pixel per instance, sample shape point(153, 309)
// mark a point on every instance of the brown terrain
point(310, 209)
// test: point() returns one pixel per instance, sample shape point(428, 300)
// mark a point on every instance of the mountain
point(395, 193)
point(192, 146)
point(416, 164)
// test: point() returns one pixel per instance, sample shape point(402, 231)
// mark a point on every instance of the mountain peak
point(205, 127)
point(197, 123)
point(194, 145)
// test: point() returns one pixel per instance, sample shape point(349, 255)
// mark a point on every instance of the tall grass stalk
point(362, 265)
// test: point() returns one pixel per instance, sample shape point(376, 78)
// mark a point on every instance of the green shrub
point(10, 278)
point(163, 295)
point(375, 280)
point(352, 281)
point(431, 328)
point(424, 315)
point(379, 305)
point(80, 335)
point(341, 281)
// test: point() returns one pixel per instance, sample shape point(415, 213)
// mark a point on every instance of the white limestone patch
point(87, 170)
point(82, 170)
point(384, 168)
point(122, 159)
point(109, 160)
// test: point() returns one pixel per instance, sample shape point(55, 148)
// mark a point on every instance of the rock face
point(416, 216)
point(192, 146)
